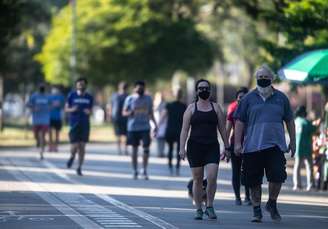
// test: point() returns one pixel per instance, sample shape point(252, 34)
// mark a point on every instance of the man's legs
point(145, 161)
point(81, 151)
point(42, 139)
point(57, 134)
point(134, 157)
point(124, 142)
point(256, 193)
point(51, 139)
point(178, 158)
point(74, 149)
point(170, 155)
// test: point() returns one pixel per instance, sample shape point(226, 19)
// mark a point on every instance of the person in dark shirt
point(204, 118)
point(174, 114)
point(115, 115)
point(79, 106)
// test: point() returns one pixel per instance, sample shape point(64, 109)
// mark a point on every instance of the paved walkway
point(45, 194)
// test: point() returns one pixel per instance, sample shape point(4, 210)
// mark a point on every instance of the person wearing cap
point(260, 117)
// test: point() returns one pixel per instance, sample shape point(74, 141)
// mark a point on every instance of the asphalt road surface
point(45, 194)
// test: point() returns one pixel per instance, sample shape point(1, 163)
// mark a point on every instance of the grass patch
point(22, 136)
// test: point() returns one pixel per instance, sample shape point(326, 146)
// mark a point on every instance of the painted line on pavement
point(81, 220)
point(152, 219)
point(79, 203)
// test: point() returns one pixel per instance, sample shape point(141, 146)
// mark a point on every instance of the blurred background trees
point(153, 39)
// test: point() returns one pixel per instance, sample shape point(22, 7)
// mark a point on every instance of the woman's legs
point(197, 188)
point(212, 174)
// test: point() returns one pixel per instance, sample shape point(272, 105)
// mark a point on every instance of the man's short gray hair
point(264, 69)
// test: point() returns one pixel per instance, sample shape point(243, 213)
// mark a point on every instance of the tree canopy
point(126, 39)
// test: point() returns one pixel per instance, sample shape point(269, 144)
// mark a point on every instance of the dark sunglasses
point(204, 88)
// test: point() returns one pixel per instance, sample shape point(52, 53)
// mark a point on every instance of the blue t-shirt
point(142, 107)
point(84, 101)
point(40, 106)
point(263, 120)
point(57, 102)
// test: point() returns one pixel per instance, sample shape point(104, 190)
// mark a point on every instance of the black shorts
point(134, 138)
point(272, 161)
point(120, 127)
point(56, 124)
point(199, 154)
point(79, 133)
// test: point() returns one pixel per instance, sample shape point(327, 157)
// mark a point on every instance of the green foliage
point(23, 24)
point(127, 39)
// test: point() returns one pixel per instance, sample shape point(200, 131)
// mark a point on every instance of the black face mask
point(141, 92)
point(204, 94)
point(264, 82)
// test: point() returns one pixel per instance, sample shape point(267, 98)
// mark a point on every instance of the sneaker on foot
point(199, 214)
point(135, 175)
point(257, 217)
point(145, 176)
point(70, 162)
point(247, 201)
point(238, 201)
point(272, 209)
point(210, 212)
point(79, 172)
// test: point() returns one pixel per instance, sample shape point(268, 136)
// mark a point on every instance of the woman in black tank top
point(204, 118)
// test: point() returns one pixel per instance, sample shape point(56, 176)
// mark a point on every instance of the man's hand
point(292, 148)
point(238, 149)
point(182, 154)
point(87, 111)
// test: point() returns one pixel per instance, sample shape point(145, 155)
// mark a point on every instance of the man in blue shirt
point(79, 106)
point(260, 116)
point(57, 102)
point(40, 106)
point(138, 107)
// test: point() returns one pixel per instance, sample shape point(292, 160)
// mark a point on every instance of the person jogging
point(39, 104)
point(79, 106)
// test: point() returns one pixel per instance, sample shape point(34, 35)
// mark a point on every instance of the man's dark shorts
point(56, 124)
point(134, 138)
point(120, 127)
point(272, 161)
point(79, 133)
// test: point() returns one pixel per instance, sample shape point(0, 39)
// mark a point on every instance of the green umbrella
point(311, 67)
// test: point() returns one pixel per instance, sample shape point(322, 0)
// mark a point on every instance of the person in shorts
point(79, 106)
point(138, 107)
point(57, 103)
point(260, 117)
point(204, 119)
point(39, 104)
point(115, 109)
